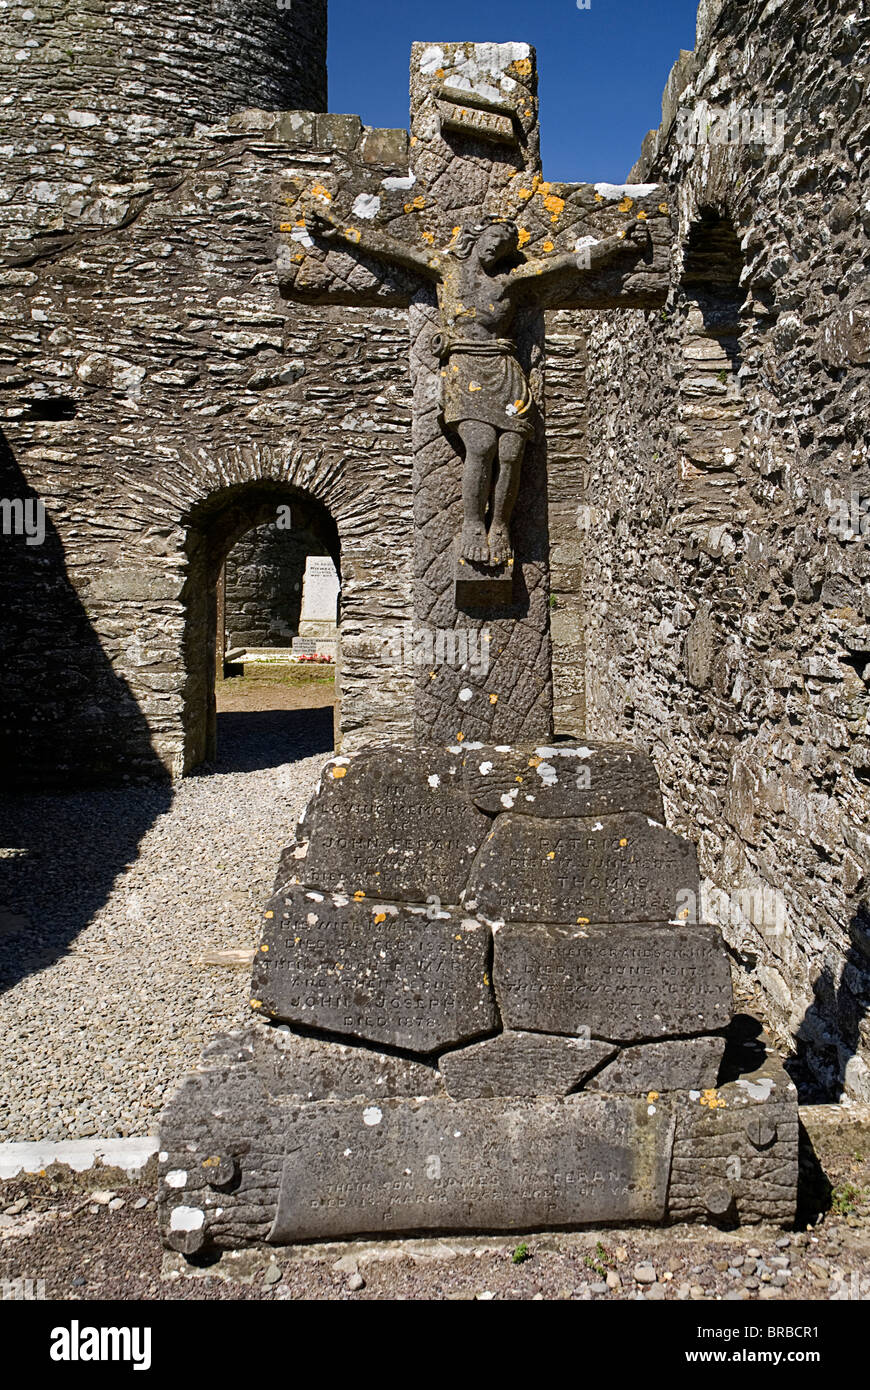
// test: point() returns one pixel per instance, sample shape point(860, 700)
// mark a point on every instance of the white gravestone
point(318, 620)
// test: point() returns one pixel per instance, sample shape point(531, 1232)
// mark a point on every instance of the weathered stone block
point(305, 1069)
point(625, 868)
point(618, 982)
point(384, 146)
point(736, 1160)
point(374, 970)
point(571, 779)
point(435, 1165)
point(681, 1065)
point(336, 132)
point(522, 1064)
point(393, 823)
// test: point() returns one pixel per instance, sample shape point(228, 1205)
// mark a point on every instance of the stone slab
point(394, 824)
point(403, 1166)
point(377, 971)
point(622, 983)
point(301, 1068)
point(570, 779)
point(681, 1065)
point(736, 1159)
point(625, 868)
point(522, 1064)
point(320, 589)
point(478, 587)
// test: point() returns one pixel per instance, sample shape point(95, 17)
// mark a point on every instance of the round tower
point(94, 88)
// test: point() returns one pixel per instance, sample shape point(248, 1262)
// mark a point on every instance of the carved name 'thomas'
point(624, 868)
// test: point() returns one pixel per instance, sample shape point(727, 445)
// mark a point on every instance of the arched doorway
point(214, 526)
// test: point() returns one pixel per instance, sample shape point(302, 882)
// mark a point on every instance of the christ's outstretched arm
point(327, 225)
point(543, 272)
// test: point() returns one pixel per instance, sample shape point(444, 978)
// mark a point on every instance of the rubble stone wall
point(727, 603)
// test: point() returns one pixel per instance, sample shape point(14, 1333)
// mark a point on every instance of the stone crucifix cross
point(478, 245)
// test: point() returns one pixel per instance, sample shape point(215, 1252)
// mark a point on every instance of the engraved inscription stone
point(522, 1064)
point(402, 1166)
point(374, 970)
point(681, 1065)
point(393, 823)
point(572, 779)
point(620, 982)
point(320, 588)
point(472, 121)
point(625, 868)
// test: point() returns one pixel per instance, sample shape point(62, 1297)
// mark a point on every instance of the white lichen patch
point(614, 192)
point(177, 1178)
point(372, 1115)
point(434, 780)
point(187, 1219)
point(396, 184)
point(465, 695)
point(366, 206)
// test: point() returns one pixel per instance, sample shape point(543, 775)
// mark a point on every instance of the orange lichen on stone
point(554, 205)
point(523, 66)
point(319, 191)
point(626, 205)
point(270, 913)
point(549, 246)
point(339, 772)
point(493, 699)
point(358, 895)
point(524, 237)
point(380, 917)
point(663, 208)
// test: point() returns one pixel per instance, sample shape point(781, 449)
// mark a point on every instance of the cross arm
point(555, 274)
point(326, 225)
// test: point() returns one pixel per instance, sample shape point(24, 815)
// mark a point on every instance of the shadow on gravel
point(251, 740)
point(67, 720)
point(61, 855)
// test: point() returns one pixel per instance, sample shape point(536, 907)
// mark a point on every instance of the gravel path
point(109, 902)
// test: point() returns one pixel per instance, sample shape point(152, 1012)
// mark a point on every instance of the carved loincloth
point(485, 382)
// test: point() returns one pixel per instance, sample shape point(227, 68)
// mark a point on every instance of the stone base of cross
point(477, 244)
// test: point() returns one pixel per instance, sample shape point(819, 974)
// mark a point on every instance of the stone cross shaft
point(477, 245)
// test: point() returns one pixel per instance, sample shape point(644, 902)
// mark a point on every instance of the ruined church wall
point(160, 399)
point(93, 88)
point(726, 570)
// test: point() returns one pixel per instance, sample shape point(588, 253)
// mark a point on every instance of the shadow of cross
point(478, 246)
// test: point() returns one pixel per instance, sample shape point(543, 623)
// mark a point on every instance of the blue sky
point(602, 70)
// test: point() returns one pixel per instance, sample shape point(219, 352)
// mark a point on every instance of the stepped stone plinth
point(479, 1004)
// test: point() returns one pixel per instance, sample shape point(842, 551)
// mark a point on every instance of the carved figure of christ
point(482, 278)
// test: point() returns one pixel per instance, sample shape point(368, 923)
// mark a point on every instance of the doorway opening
point(250, 686)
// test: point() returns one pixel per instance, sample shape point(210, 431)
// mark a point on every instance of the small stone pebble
point(644, 1274)
point(356, 1282)
point(272, 1275)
